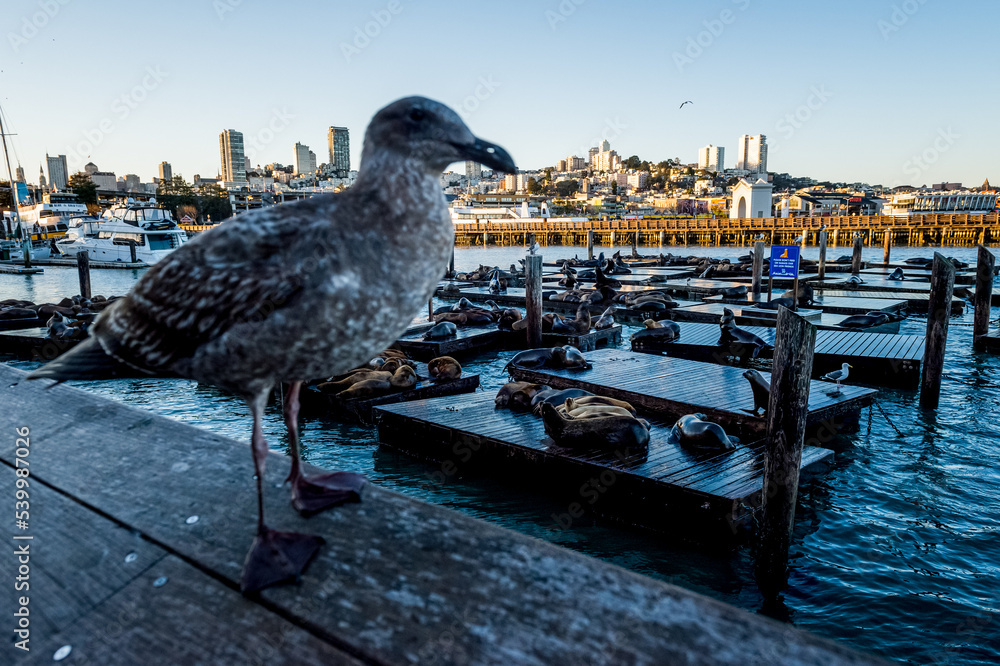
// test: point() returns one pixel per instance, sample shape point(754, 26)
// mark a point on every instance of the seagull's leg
point(274, 557)
point(312, 494)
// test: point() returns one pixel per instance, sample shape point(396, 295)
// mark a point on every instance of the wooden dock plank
point(468, 340)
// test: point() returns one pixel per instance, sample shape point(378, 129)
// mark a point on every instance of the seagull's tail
point(85, 361)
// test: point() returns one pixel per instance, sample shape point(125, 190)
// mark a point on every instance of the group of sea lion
point(448, 318)
point(575, 418)
point(734, 341)
point(663, 330)
point(389, 372)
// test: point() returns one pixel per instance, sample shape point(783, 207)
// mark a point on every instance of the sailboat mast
point(13, 197)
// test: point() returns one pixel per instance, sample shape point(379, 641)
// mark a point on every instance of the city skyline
point(832, 111)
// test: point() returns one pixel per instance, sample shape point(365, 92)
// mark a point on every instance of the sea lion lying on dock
point(520, 399)
point(606, 320)
point(572, 404)
point(577, 326)
point(366, 384)
point(502, 398)
point(658, 331)
point(761, 391)
point(610, 431)
point(444, 329)
point(557, 358)
point(508, 318)
point(555, 397)
point(734, 341)
point(444, 368)
point(777, 303)
point(869, 319)
point(896, 275)
point(806, 294)
point(692, 430)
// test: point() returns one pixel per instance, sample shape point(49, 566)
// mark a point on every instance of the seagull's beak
point(488, 154)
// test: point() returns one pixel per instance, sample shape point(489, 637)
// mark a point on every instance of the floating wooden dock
point(878, 358)
point(144, 567)
point(34, 344)
point(317, 403)
point(832, 302)
point(20, 323)
point(662, 488)
point(915, 302)
point(673, 387)
point(11, 268)
point(711, 313)
point(608, 337)
point(71, 261)
point(468, 340)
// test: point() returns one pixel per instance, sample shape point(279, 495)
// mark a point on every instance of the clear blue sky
point(888, 82)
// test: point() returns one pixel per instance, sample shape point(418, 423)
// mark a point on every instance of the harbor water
point(896, 549)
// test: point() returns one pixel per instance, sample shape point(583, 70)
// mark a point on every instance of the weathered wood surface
point(33, 344)
point(533, 299)
point(878, 358)
point(938, 317)
point(837, 302)
point(397, 582)
point(672, 387)
point(711, 312)
point(786, 428)
point(608, 337)
point(21, 323)
point(664, 487)
point(83, 270)
point(19, 269)
point(316, 402)
point(983, 297)
point(916, 302)
point(85, 594)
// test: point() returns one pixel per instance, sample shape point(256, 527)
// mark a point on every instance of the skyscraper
point(752, 153)
point(41, 178)
point(340, 151)
point(19, 177)
point(305, 159)
point(233, 160)
point(58, 171)
point(473, 171)
point(166, 172)
point(712, 158)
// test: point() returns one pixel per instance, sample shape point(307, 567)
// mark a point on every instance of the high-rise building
point(592, 153)
point(605, 146)
point(473, 171)
point(132, 183)
point(58, 171)
point(339, 142)
point(712, 158)
point(41, 178)
point(305, 160)
point(105, 180)
point(19, 175)
point(90, 168)
point(166, 172)
point(752, 153)
point(233, 159)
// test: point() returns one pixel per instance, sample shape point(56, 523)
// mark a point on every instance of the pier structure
point(914, 230)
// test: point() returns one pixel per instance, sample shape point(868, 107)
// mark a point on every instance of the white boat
point(136, 232)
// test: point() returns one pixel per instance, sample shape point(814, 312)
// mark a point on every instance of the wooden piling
point(451, 264)
point(533, 298)
point(83, 268)
point(758, 267)
point(635, 243)
point(590, 243)
point(887, 246)
point(859, 246)
point(805, 238)
point(942, 286)
point(984, 292)
point(794, 344)
point(131, 253)
point(612, 241)
point(822, 254)
point(663, 238)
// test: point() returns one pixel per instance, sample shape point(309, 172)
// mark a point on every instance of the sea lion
point(855, 279)
point(444, 329)
point(732, 292)
point(692, 430)
point(571, 358)
point(734, 341)
point(596, 411)
point(576, 326)
point(457, 318)
point(761, 391)
point(896, 275)
point(658, 331)
point(405, 377)
point(531, 359)
point(367, 389)
point(573, 403)
point(520, 400)
point(58, 328)
point(555, 397)
point(338, 385)
point(444, 368)
point(604, 432)
point(606, 320)
point(777, 303)
point(805, 294)
point(508, 318)
point(871, 318)
point(478, 317)
point(463, 304)
point(503, 395)
point(13, 312)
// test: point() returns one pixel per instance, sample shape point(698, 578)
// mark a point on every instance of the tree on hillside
point(81, 185)
point(174, 193)
point(213, 203)
point(533, 186)
point(6, 200)
point(633, 162)
point(567, 188)
point(614, 187)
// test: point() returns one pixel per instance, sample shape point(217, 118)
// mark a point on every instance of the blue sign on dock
point(784, 261)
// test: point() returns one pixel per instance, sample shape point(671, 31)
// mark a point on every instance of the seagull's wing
point(240, 273)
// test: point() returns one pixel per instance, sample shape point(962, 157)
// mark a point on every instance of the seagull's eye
point(417, 114)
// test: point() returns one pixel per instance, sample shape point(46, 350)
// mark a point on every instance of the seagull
point(838, 375)
point(535, 247)
point(798, 239)
point(683, 103)
point(290, 293)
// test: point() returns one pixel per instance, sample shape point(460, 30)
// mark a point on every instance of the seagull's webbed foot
point(312, 494)
point(276, 558)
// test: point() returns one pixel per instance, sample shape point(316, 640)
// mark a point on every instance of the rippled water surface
point(896, 548)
